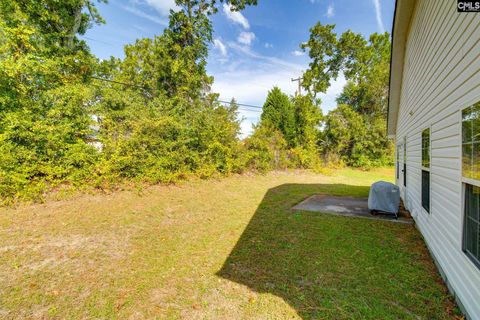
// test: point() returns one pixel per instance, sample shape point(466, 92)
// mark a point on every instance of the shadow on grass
point(331, 267)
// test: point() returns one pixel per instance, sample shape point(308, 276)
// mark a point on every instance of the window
point(426, 148)
point(471, 241)
point(426, 190)
point(471, 177)
point(398, 162)
point(426, 169)
point(405, 161)
point(471, 142)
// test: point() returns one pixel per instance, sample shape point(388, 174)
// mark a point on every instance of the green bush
point(266, 149)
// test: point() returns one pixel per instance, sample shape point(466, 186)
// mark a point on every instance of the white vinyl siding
point(441, 77)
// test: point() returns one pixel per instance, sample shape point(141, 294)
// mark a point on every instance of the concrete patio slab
point(343, 206)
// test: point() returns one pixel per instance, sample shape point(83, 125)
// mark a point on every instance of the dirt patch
point(54, 254)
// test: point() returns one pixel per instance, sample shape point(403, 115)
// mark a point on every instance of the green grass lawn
point(216, 249)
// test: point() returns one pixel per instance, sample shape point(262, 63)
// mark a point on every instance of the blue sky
point(253, 50)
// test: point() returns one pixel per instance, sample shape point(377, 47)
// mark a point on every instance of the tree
point(368, 69)
point(161, 124)
point(345, 135)
point(58, 22)
point(44, 102)
point(279, 113)
point(358, 140)
point(169, 86)
point(308, 117)
point(174, 63)
point(266, 149)
point(297, 119)
point(325, 64)
point(365, 65)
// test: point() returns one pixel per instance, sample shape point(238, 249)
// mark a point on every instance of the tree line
point(70, 119)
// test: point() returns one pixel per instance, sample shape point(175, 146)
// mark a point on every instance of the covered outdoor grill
point(384, 197)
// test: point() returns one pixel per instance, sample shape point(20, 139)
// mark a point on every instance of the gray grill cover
point(384, 196)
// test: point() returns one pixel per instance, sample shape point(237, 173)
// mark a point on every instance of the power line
point(242, 104)
point(155, 89)
point(104, 42)
point(123, 83)
point(249, 110)
point(240, 108)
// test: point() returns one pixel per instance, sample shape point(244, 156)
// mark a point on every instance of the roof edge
point(401, 23)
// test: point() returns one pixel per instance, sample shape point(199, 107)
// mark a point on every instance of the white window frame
point(473, 182)
point(463, 179)
point(405, 164)
point(464, 182)
point(464, 220)
point(429, 169)
point(397, 162)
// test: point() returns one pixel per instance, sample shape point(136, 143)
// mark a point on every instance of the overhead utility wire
point(99, 41)
point(153, 89)
point(241, 108)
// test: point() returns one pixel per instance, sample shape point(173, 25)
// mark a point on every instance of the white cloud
point(249, 77)
point(146, 16)
point(235, 16)
point(378, 13)
point(246, 38)
point(162, 6)
point(329, 98)
point(250, 85)
point(279, 63)
point(141, 28)
point(246, 124)
point(218, 44)
point(330, 11)
point(298, 53)
point(268, 45)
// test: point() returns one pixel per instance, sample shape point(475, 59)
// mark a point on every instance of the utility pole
point(299, 92)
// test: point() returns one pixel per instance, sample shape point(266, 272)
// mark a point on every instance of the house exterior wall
point(441, 76)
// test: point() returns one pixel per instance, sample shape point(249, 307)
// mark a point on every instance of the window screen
point(426, 190)
point(471, 142)
point(471, 241)
point(398, 161)
point(426, 169)
point(426, 148)
point(405, 162)
point(471, 171)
